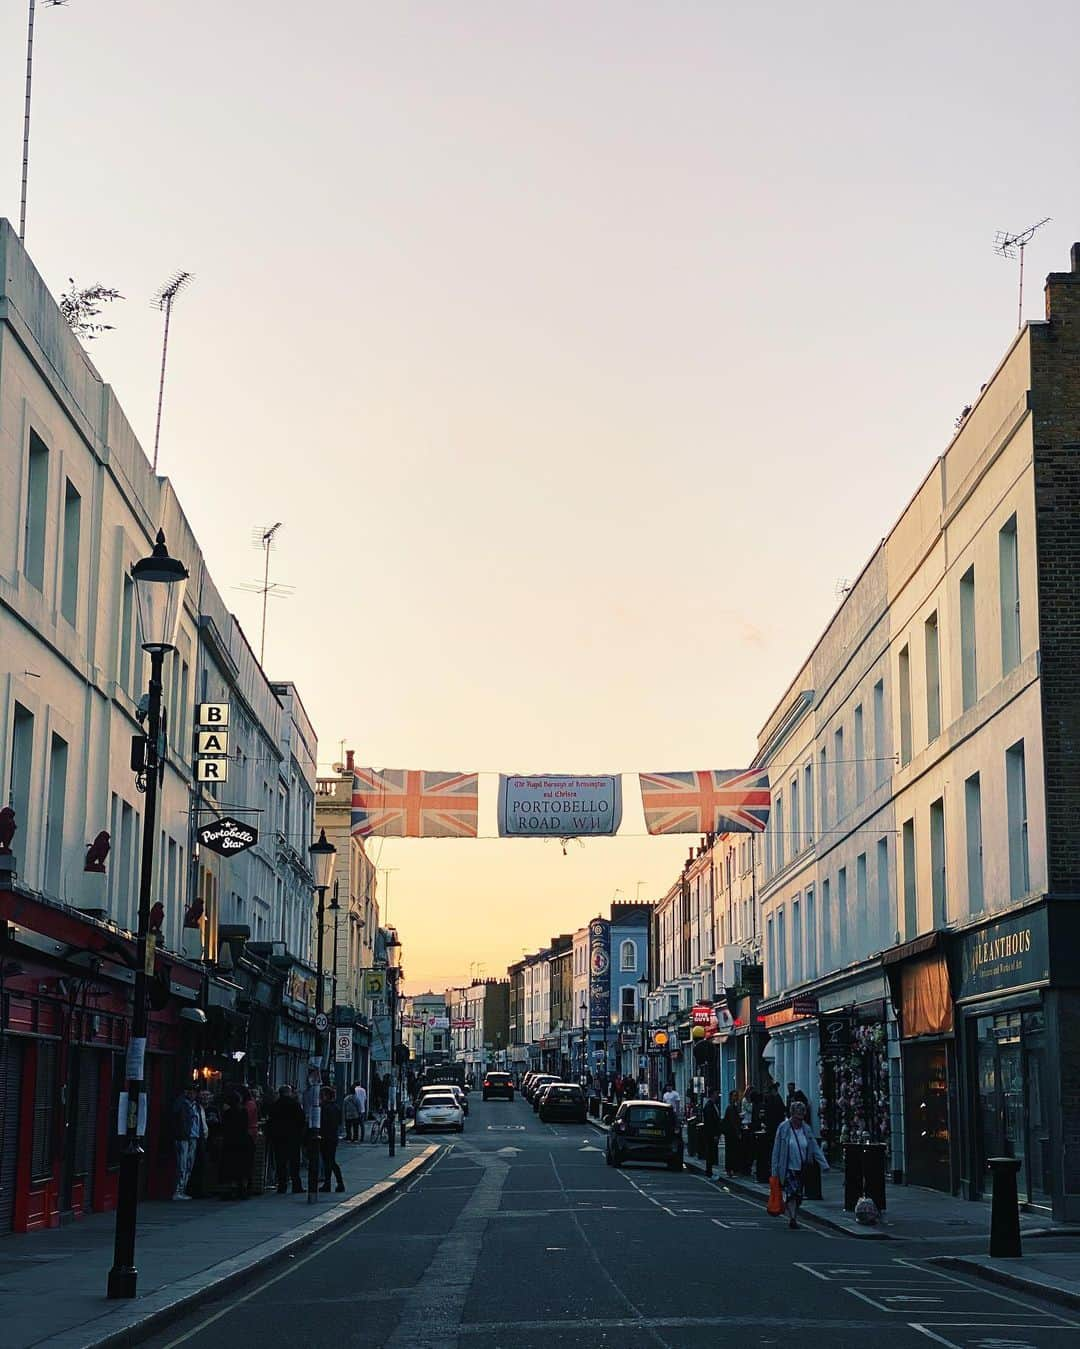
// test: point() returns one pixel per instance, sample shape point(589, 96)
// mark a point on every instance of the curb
point(132, 1324)
point(807, 1216)
point(1022, 1283)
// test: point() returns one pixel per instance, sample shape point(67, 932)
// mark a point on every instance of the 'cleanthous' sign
point(558, 806)
point(227, 836)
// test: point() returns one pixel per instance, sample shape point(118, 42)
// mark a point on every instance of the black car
point(498, 1084)
point(562, 1101)
point(538, 1082)
point(645, 1131)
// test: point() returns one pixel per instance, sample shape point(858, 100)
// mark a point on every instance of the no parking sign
point(343, 1050)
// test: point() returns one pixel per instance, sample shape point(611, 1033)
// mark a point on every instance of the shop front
point(858, 1063)
point(921, 993)
point(794, 1042)
point(1001, 972)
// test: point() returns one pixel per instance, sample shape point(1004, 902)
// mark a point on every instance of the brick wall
point(1055, 397)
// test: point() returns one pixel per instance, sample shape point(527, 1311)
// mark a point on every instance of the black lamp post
point(160, 582)
point(393, 970)
point(322, 854)
point(643, 993)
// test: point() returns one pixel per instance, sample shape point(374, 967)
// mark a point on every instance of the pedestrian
point(617, 1085)
point(285, 1132)
point(329, 1125)
point(773, 1111)
point(671, 1098)
point(731, 1128)
point(350, 1113)
point(238, 1148)
point(794, 1094)
point(360, 1092)
point(189, 1126)
point(710, 1131)
point(794, 1147)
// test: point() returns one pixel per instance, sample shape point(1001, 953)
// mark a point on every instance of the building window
point(69, 575)
point(793, 794)
point(22, 758)
point(54, 819)
point(904, 686)
point(884, 903)
point(862, 914)
point(628, 1003)
point(969, 679)
point(628, 956)
point(811, 935)
point(808, 798)
point(796, 943)
point(938, 884)
point(973, 821)
point(778, 830)
point(127, 628)
point(37, 500)
point(911, 900)
point(826, 926)
point(771, 948)
point(781, 947)
point(881, 768)
point(840, 769)
point(1016, 801)
point(859, 754)
point(843, 955)
point(823, 789)
point(1009, 581)
point(933, 678)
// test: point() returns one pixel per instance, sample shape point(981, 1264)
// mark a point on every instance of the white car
point(439, 1110)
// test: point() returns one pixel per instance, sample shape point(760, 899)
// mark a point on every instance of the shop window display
point(854, 1105)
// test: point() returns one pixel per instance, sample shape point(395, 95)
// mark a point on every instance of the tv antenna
point(262, 536)
point(163, 299)
point(843, 588)
point(1008, 245)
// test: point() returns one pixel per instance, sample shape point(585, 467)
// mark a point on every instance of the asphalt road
point(520, 1236)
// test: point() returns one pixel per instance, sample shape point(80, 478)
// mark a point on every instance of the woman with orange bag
point(793, 1148)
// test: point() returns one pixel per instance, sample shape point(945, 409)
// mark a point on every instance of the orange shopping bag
point(775, 1206)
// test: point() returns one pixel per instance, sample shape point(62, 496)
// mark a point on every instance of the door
point(1002, 1115)
point(927, 1115)
point(11, 1066)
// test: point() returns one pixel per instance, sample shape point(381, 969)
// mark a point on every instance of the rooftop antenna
point(50, 4)
point(263, 537)
point(843, 588)
point(387, 872)
point(163, 299)
point(1008, 245)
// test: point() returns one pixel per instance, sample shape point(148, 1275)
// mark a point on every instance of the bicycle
point(380, 1128)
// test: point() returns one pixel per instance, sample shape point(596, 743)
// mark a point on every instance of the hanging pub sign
point(227, 836)
point(836, 1031)
point(599, 974)
point(558, 806)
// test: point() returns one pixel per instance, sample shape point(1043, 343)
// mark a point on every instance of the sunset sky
point(583, 350)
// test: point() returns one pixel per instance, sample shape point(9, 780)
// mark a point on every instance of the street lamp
point(393, 970)
point(335, 909)
point(160, 582)
point(584, 1010)
point(643, 993)
point(322, 854)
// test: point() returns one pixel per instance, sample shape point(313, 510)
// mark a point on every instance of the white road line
point(923, 1330)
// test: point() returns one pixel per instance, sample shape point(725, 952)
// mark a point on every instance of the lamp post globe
point(322, 854)
point(160, 582)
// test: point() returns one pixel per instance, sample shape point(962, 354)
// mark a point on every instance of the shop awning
point(919, 946)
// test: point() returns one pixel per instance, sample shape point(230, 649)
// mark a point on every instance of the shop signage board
point(836, 1031)
point(374, 984)
point(227, 836)
point(559, 806)
point(1012, 952)
point(211, 742)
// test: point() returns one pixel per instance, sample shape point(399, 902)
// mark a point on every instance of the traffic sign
point(343, 1045)
point(321, 1021)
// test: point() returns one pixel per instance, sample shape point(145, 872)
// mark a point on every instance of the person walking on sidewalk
point(731, 1128)
point(360, 1092)
point(671, 1098)
point(350, 1112)
point(189, 1126)
point(794, 1147)
point(285, 1132)
point(328, 1139)
point(710, 1131)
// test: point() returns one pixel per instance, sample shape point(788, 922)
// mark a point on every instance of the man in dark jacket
point(710, 1130)
point(285, 1129)
point(773, 1113)
point(329, 1127)
point(795, 1093)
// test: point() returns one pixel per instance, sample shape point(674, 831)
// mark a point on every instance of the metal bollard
point(853, 1175)
point(1004, 1208)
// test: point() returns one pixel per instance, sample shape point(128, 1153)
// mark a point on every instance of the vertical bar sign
point(599, 974)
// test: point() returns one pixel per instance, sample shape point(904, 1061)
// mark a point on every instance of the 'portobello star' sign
point(227, 836)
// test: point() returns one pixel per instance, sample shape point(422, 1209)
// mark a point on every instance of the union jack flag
point(405, 803)
point(717, 801)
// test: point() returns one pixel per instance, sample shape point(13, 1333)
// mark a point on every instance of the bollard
point(1004, 1208)
point(313, 1166)
point(853, 1175)
point(873, 1166)
point(692, 1138)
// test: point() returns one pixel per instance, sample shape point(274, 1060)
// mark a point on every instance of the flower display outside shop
point(854, 1105)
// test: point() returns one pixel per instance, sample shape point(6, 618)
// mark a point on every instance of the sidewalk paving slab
point(52, 1283)
point(1054, 1275)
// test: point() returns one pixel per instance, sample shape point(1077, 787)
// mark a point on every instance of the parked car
point(540, 1080)
point(438, 1108)
point(538, 1094)
point(562, 1101)
point(443, 1087)
point(498, 1084)
point(645, 1131)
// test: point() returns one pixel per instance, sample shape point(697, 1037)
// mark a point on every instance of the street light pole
point(322, 854)
point(393, 969)
point(160, 582)
point(643, 993)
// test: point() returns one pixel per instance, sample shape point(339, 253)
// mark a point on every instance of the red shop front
point(65, 1010)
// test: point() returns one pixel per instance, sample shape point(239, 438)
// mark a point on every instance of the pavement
point(52, 1283)
point(517, 1235)
point(928, 1217)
